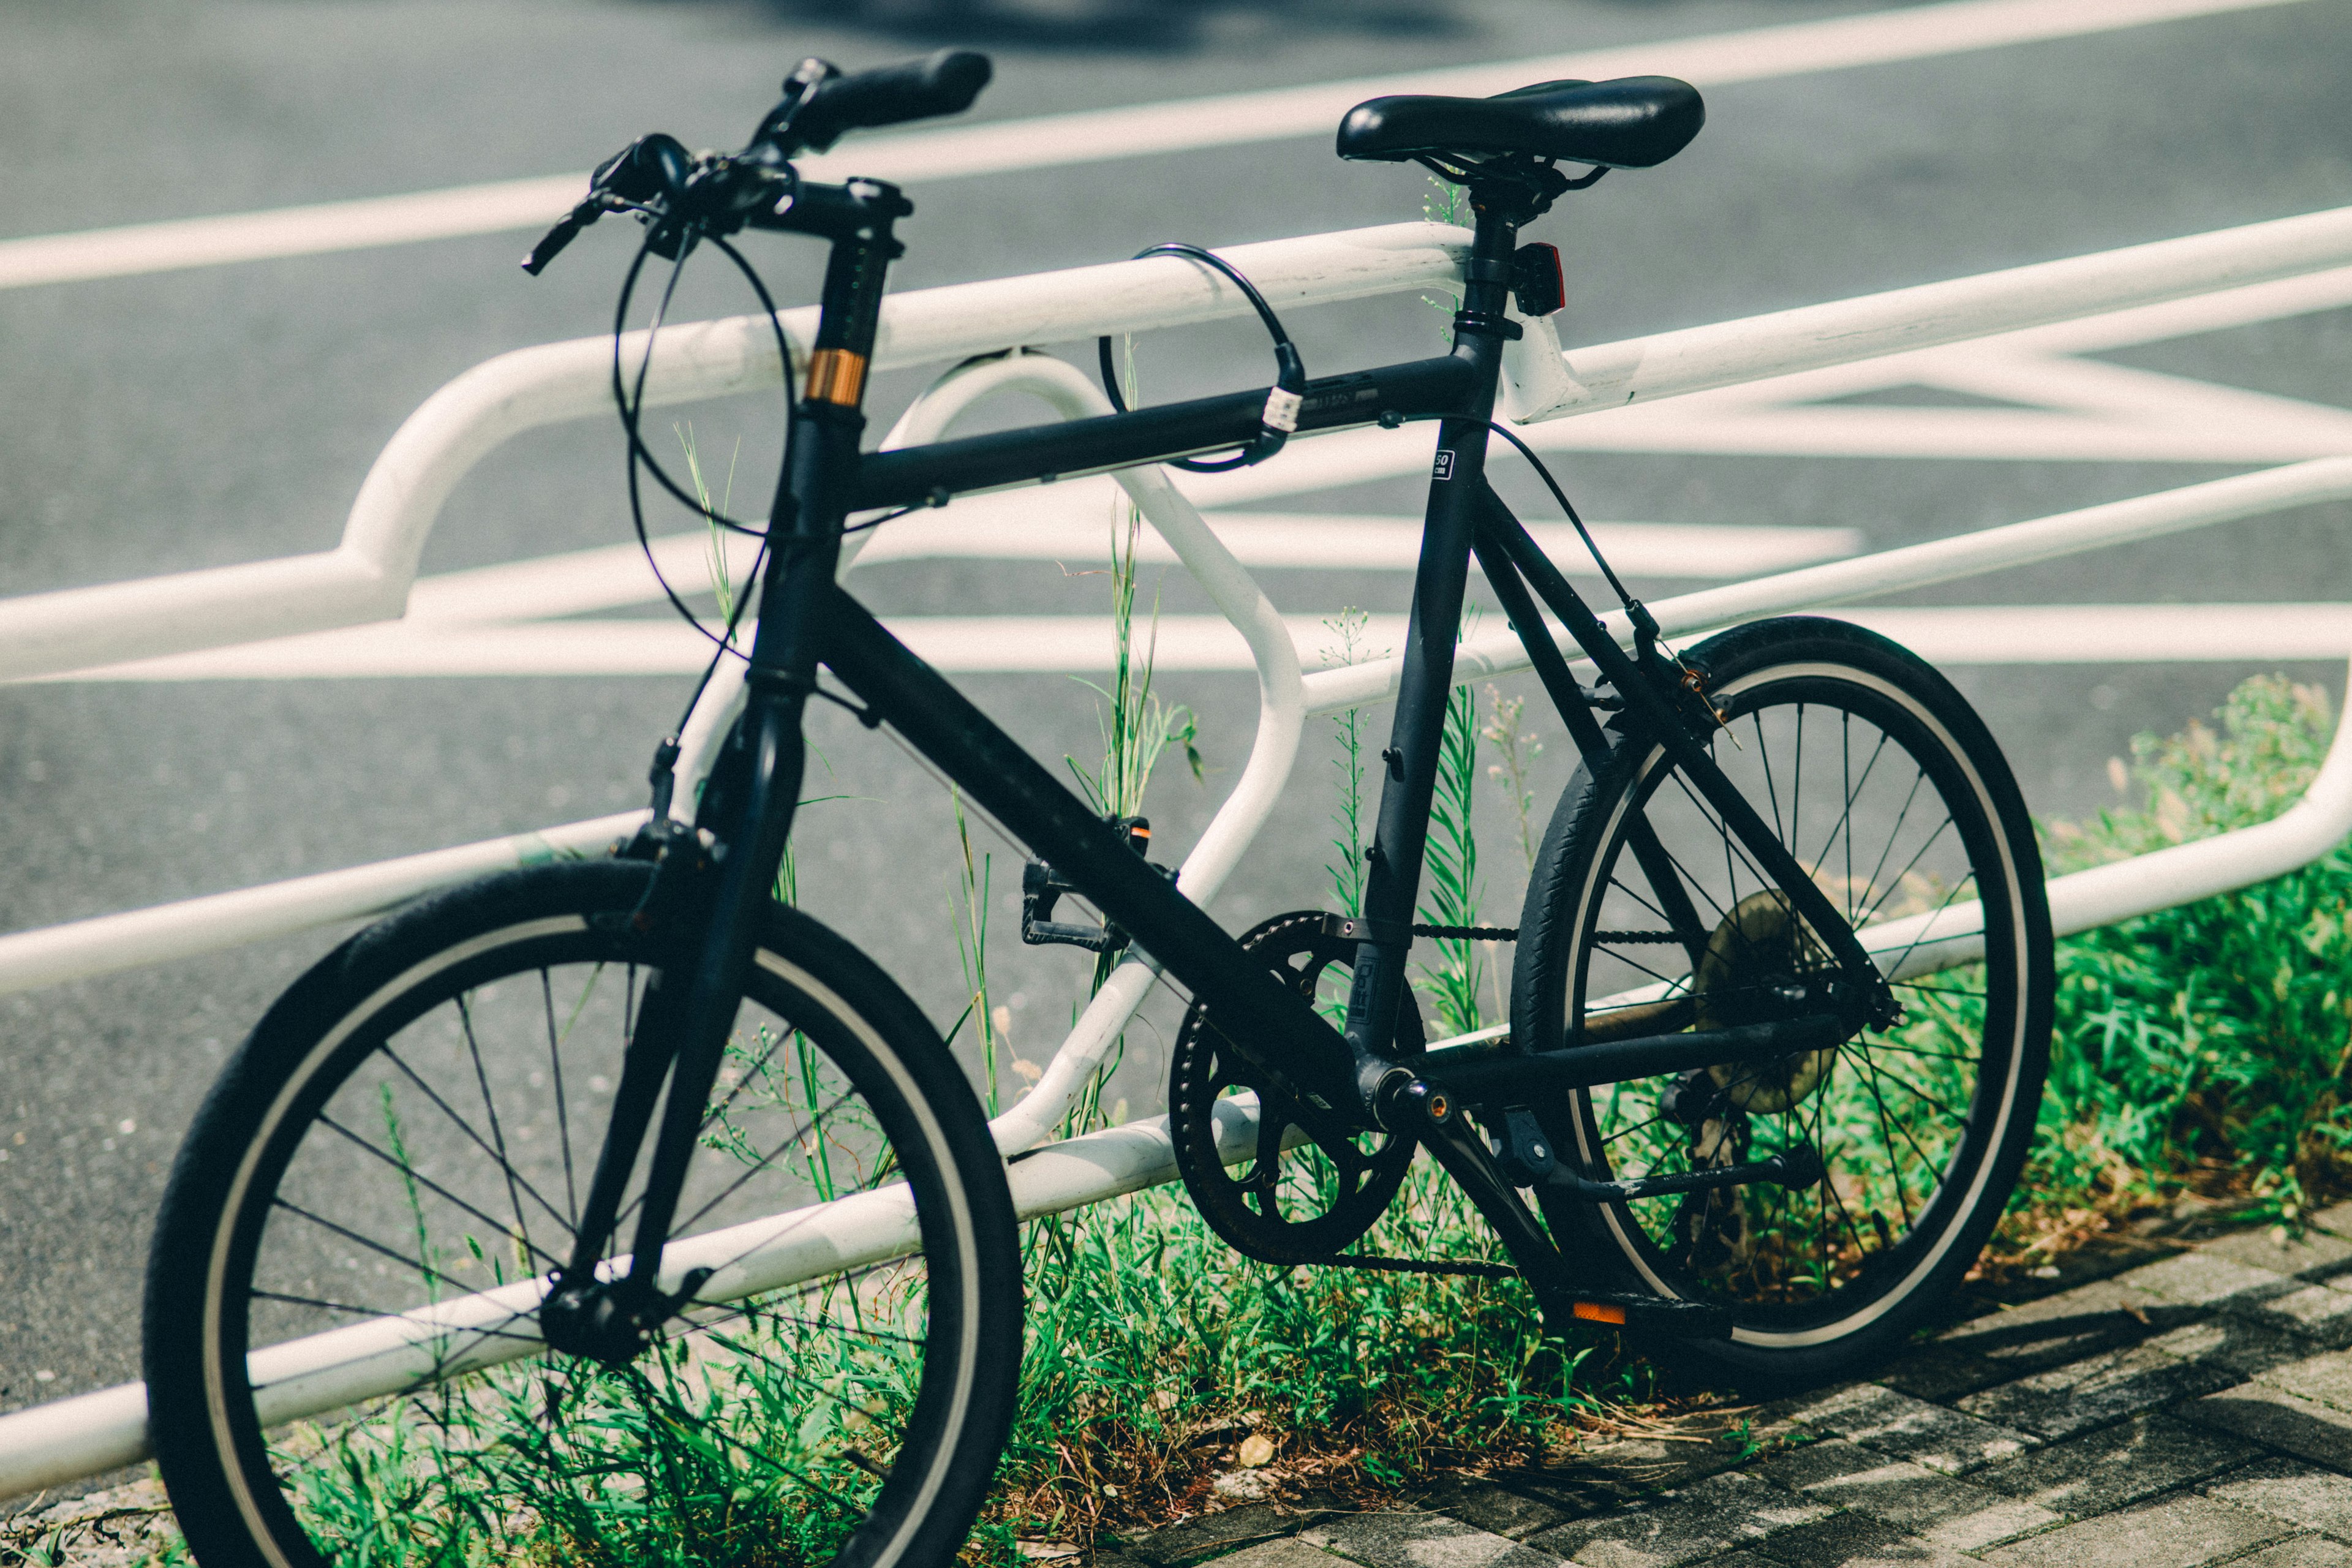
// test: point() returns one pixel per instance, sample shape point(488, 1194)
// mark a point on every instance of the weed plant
point(2204, 1048)
point(1157, 1356)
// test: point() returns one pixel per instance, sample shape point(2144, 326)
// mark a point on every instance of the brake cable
point(1280, 415)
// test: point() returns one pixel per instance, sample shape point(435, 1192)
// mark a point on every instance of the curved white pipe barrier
point(2232, 500)
point(107, 944)
point(67, 1439)
point(368, 576)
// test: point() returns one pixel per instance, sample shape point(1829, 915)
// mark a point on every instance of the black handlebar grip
point(942, 83)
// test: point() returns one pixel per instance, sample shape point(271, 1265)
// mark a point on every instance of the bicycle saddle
point(1632, 123)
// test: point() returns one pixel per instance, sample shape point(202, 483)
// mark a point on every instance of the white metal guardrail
point(369, 575)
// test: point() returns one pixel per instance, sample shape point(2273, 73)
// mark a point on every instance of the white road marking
point(2085, 411)
point(1081, 644)
point(501, 619)
point(1094, 136)
point(1071, 524)
point(1072, 521)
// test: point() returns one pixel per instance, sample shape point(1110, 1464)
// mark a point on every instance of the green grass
point(1154, 1351)
point(2203, 1049)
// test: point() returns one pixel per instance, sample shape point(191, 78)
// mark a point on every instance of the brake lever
point(564, 233)
point(642, 171)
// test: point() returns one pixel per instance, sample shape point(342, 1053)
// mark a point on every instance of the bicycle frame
point(1343, 1079)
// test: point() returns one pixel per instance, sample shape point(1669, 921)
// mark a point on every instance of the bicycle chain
point(1470, 933)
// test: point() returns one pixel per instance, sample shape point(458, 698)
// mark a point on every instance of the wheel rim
point(1872, 795)
point(440, 1144)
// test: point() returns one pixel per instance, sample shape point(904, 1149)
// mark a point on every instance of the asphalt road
point(227, 414)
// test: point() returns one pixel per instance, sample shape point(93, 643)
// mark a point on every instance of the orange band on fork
point(836, 375)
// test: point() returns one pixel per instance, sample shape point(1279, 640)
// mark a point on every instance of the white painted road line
point(1094, 136)
point(1072, 521)
point(1081, 644)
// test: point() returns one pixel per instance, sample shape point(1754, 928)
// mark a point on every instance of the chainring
point(1301, 1205)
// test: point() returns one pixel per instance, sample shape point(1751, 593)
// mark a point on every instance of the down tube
point(1010, 785)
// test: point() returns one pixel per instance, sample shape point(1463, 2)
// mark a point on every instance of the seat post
point(1481, 323)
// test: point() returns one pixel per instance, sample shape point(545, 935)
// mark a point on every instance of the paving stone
point(1698, 1521)
point(2313, 1255)
point(1283, 1553)
point(2243, 1345)
point(1216, 1534)
point(1854, 1541)
point(2179, 1532)
point(2335, 1220)
point(2089, 1318)
point(1939, 1372)
point(2203, 1279)
point(1939, 1440)
point(1518, 1506)
point(2302, 1551)
point(2096, 1390)
point(1413, 1539)
point(1636, 1464)
point(2325, 1378)
point(2279, 1420)
point(1508, 1507)
point(1945, 1512)
point(2118, 1466)
point(2289, 1491)
point(2322, 1311)
point(2005, 1520)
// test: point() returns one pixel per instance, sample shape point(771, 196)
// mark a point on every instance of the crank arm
point(1488, 1076)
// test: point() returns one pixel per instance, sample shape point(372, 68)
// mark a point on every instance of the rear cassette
point(1296, 1204)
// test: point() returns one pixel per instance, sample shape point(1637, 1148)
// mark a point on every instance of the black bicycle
point(598, 1203)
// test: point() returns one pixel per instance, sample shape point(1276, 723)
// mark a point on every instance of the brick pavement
point(2193, 1410)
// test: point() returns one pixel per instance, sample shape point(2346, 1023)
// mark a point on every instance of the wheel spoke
point(496, 1152)
point(410, 1174)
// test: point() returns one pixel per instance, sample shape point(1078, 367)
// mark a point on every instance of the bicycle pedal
point(1658, 1315)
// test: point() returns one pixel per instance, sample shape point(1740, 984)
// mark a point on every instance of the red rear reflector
point(1598, 1312)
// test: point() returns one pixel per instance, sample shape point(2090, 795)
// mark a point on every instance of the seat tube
point(1409, 778)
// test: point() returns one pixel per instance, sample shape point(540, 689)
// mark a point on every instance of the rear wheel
point(1882, 783)
point(342, 1350)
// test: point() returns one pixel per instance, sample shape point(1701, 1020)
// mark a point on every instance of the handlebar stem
point(804, 530)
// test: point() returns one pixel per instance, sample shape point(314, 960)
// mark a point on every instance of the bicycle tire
point(1927, 1122)
point(407, 1129)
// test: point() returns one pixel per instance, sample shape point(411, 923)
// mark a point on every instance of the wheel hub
point(1761, 966)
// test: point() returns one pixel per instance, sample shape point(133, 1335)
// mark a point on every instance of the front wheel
point(342, 1349)
point(1647, 916)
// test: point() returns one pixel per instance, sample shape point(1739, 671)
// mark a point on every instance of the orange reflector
point(1598, 1312)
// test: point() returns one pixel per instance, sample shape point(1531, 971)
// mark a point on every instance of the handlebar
point(941, 83)
point(680, 192)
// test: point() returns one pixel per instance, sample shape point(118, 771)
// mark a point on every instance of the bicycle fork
point(706, 922)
